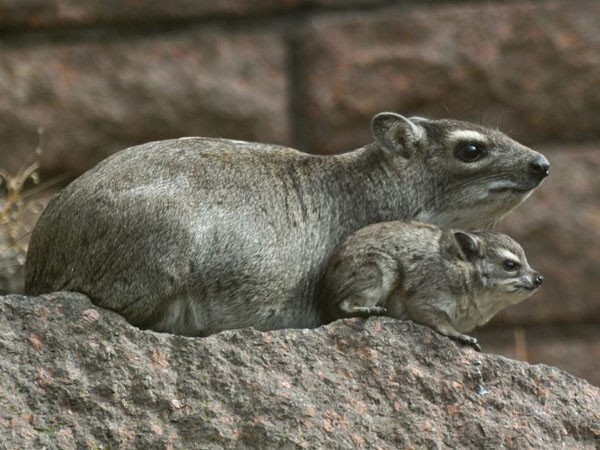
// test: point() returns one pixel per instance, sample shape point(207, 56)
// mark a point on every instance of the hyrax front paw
point(369, 310)
point(468, 340)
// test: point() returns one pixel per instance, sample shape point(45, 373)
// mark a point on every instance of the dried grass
point(18, 210)
point(521, 352)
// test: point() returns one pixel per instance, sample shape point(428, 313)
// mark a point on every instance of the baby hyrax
point(449, 280)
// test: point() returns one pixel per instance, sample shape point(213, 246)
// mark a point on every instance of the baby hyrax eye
point(469, 151)
point(510, 265)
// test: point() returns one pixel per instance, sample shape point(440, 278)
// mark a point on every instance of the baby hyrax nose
point(539, 167)
point(538, 279)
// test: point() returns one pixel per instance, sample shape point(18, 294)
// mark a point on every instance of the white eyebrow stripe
point(467, 135)
point(507, 254)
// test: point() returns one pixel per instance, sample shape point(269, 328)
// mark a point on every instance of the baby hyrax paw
point(369, 310)
point(468, 340)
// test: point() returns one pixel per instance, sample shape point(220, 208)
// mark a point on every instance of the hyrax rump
point(196, 235)
point(449, 280)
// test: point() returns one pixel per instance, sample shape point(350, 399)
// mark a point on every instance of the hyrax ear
point(397, 134)
point(468, 245)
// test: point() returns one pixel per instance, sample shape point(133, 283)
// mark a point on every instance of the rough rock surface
point(491, 62)
point(97, 94)
point(76, 376)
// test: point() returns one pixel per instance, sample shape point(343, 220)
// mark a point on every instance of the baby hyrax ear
point(397, 134)
point(468, 244)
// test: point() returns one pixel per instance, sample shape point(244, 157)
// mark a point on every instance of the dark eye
point(511, 265)
point(469, 151)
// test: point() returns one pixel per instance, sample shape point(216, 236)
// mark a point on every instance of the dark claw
point(368, 310)
point(378, 310)
point(468, 340)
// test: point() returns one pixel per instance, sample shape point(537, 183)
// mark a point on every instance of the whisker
point(441, 193)
point(45, 185)
point(8, 266)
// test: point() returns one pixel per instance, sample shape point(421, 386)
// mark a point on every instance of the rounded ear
point(468, 244)
point(397, 134)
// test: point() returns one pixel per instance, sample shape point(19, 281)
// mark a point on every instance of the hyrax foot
point(468, 340)
point(369, 310)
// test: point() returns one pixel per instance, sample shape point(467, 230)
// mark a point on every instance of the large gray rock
point(76, 376)
point(531, 67)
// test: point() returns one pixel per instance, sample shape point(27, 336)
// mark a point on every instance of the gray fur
point(449, 280)
point(198, 235)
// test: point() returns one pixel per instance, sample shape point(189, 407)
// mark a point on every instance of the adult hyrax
point(198, 235)
point(449, 280)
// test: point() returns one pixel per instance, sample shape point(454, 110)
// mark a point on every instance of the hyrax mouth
point(525, 287)
point(536, 173)
point(512, 189)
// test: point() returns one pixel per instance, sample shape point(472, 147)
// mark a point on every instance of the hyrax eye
point(511, 265)
point(469, 151)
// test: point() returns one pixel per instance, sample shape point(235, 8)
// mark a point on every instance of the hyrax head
point(468, 176)
point(502, 276)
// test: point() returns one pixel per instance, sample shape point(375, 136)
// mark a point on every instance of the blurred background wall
point(100, 76)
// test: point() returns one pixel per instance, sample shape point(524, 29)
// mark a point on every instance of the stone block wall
point(101, 76)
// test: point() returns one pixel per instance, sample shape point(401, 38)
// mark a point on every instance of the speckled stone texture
point(76, 376)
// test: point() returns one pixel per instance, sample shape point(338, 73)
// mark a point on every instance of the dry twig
point(15, 204)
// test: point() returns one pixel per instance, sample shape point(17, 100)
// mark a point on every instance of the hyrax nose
point(538, 279)
point(539, 167)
